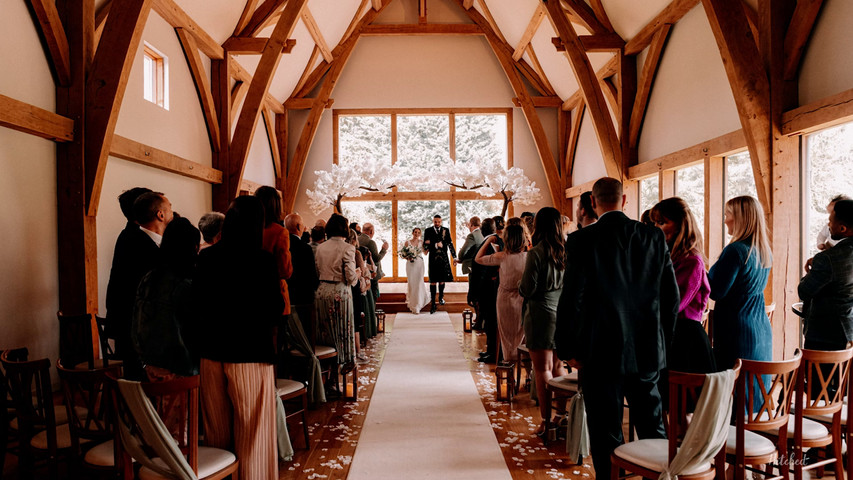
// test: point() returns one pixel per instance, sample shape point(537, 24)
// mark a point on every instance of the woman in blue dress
point(738, 279)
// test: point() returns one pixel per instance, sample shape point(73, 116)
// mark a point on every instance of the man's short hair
point(436, 216)
point(488, 226)
point(127, 199)
point(210, 224)
point(353, 226)
point(474, 221)
point(527, 214)
point(318, 234)
point(366, 228)
point(838, 198)
point(607, 191)
point(844, 213)
point(145, 207)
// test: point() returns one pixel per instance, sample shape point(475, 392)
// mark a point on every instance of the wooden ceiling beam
point(601, 14)
point(750, 86)
point(202, 85)
point(315, 53)
point(53, 33)
point(238, 94)
point(422, 12)
point(833, 110)
point(715, 147)
point(376, 4)
point(604, 42)
point(586, 15)
point(100, 18)
point(136, 152)
point(177, 18)
point(529, 32)
point(105, 88)
point(608, 141)
point(802, 24)
point(552, 101)
point(611, 93)
point(281, 136)
point(647, 78)
point(253, 45)
point(422, 29)
point(272, 138)
point(316, 34)
point(27, 118)
point(260, 18)
point(342, 54)
point(487, 14)
point(240, 73)
point(537, 67)
point(248, 10)
point(572, 144)
point(467, 4)
point(671, 14)
point(504, 55)
point(258, 90)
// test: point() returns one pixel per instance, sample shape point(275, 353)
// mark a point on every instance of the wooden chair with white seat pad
point(558, 388)
point(649, 458)
point(820, 388)
point(746, 443)
point(89, 417)
point(287, 390)
point(523, 363)
point(40, 436)
point(142, 431)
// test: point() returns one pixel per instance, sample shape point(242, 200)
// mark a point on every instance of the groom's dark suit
point(439, 264)
point(616, 317)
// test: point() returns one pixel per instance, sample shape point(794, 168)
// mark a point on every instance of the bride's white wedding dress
point(416, 293)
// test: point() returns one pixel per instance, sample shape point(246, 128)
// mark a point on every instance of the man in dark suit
point(437, 243)
point(304, 281)
point(365, 239)
point(827, 288)
point(468, 251)
point(136, 252)
point(615, 320)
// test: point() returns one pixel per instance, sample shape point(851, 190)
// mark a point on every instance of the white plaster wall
point(416, 72)
point(691, 100)
point(589, 164)
point(29, 295)
point(827, 65)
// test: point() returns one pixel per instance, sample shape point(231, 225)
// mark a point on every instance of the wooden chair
point(107, 350)
point(89, 417)
point(75, 340)
point(181, 393)
point(288, 390)
point(820, 388)
point(523, 363)
point(39, 435)
point(558, 388)
point(746, 445)
point(650, 457)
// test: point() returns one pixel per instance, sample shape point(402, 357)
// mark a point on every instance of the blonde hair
point(749, 225)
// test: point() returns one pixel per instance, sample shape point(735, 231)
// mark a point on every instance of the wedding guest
point(478, 276)
point(540, 285)
point(646, 218)
point(355, 226)
point(163, 306)
point(303, 282)
point(365, 239)
point(511, 261)
point(528, 219)
point(210, 225)
point(488, 279)
point(824, 237)
point(474, 238)
point(333, 301)
point(585, 214)
point(276, 239)
point(318, 236)
point(690, 348)
point(238, 303)
point(360, 291)
point(567, 225)
point(741, 327)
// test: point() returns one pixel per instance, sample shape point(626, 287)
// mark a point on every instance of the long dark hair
point(548, 230)
point(271, 201)
point(180, 246)
point(243, 227)
point(688, 239)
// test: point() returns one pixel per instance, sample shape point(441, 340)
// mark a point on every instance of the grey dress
point(540, 285)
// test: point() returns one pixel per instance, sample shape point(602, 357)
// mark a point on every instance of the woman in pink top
point(511, 261)
point(690, 350)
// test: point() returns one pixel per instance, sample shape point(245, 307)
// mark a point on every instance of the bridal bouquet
point(409, 253)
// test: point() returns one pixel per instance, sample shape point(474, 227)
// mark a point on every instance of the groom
point(437, 241)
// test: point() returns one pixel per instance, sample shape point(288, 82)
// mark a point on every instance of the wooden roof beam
point(53, 33)
point(105, 88)
point(529, 32)
point(272, 138)
point(422, 12)
point(253, 45)
point(606, 42)
point(261, 17)
point(136, 152)
point(202, 86)
point(422, 29)
point(376, 4)
point(586, 15)
point(587, 79)
point(177, 18)
point(100, 19)
point(750, 86)
point(27, 118)
point(601, 14)
point(467, 4)
point(802, 24)
point(316, 34)
point(552, 101)
point(248, 10)
point(671, 14)
point(258, 90)
point(647, 78)
point(572, 147)
point(240, 73)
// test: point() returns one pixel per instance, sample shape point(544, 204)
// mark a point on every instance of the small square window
point(156, 71)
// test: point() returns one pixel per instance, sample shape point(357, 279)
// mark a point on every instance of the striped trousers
point(238, 402)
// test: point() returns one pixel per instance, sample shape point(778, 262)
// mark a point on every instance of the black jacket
point(135, 255)
point(304, 281)
point(620, 298)
point(827, 291)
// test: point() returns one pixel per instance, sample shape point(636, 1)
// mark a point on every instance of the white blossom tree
point(349, 180)
point(512, 184)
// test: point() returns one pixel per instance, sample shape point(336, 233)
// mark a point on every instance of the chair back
point(775, 384)
point(141, 432)
point(87, 403)
point(75, 339)
point(821, 381)
point(107, 351)
point(32, 397)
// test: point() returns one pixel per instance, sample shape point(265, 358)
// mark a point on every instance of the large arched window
point(420, 138)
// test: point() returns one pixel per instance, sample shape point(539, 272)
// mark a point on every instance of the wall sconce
point(467, 320)
point(380, 320)
point(504, 382)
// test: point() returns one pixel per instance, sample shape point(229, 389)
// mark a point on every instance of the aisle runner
point(426, 419)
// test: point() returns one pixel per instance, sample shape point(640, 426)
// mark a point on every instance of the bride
point(416, 294)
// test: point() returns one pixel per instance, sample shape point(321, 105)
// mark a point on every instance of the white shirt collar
point(154, 235)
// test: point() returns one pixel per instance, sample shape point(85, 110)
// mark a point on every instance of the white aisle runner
point(426, 419)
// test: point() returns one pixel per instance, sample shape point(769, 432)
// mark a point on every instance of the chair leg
point(720, 464)
point(614, 471)
point(305, 421)
point(836, 450)
point(547, 418)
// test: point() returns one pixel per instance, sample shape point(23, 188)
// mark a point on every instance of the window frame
point(159, 76)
